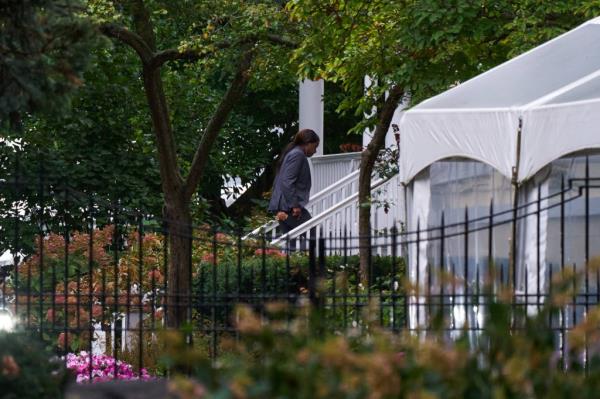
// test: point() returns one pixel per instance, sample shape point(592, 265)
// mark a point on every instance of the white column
point(312, 108)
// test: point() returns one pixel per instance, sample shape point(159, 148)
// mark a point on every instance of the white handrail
point(328, 169)
point(333, 194)
point(351, 177)
point(344, 216)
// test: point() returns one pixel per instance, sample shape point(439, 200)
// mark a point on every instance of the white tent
point(554, 90)
point(462, 148)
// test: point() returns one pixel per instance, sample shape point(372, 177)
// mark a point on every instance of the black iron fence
point(92, 275)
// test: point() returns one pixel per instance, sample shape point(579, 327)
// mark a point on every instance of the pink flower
point(64, 340)
point(156, 276)
point(208, 258)
point(102, 368)
point(96, 311)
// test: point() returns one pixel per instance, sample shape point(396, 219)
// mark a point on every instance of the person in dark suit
point(292, 183)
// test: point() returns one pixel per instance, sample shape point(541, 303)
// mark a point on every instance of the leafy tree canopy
point(43, 51)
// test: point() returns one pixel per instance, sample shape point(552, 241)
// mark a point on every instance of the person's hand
point(296, 212)
point(281, 216)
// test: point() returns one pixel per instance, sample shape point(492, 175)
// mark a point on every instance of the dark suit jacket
point(292, 184)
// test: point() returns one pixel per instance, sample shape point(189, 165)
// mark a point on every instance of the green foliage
point(423, 46)
point(284, 353)
point(28, 370)
point(273, 276)
point(43, 51)
point(103, 146)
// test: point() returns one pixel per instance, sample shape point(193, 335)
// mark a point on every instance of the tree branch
point(189, 55)
point(275, 39)
point(142, 23)
point(164, 56)
point(217, 121)
point(143, 42)
point(130, 38)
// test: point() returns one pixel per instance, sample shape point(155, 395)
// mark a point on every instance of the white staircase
point(334, 211)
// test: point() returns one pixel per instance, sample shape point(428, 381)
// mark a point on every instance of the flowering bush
point(28, 370)
point(103, 368)
point(270, 252)
point(80, 286)
point(350, 147)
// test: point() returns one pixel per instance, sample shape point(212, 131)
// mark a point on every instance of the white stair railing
point(328, 169)
point(322, 200)
point(339, 223)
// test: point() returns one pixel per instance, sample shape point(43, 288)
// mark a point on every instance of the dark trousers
point(291, 223)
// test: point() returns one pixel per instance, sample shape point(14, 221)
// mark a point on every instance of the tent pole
point(515, 183)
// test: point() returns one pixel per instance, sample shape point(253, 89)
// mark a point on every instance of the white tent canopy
point(554, 89)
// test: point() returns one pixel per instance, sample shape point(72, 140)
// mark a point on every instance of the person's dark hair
point(304, 136)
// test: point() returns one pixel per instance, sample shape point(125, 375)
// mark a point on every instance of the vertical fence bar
point(562, 221)
point(67, 236)
point(587, 251)
point(16, 239)
point(491, 272)
point(321, 274)
point(477, 296)
point(513, 256)
point(28, 297)
point(103, 307)
point(587, 228)
point(466, 265)
point(90, 327)
point(370, 276)
point(574, 299)
point(563, 312)
point(263, 273)
point(288, 282)
point(116, 317)
point(127, 318)
point(312, 272)
point(379, 275)
point(418, 284)
point(538, 243)
point(333, 280)
point(239, 273)
point(454, 279)
point(213, 309)
point(189, 293)
point(140, 292)
point(550, 272)
point(41, 249)
point(405, 297)
point(346, 278)
point(394, 279)
point(165, 299)
point(78, 301)
point(442, 256)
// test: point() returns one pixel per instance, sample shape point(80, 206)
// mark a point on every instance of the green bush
point(257, 280)
point(28, 370)
point(278, 275)
point(298, 359)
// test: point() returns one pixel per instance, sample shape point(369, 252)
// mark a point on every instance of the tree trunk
point(367, 162)
point(178, 191)
point(178, 223)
